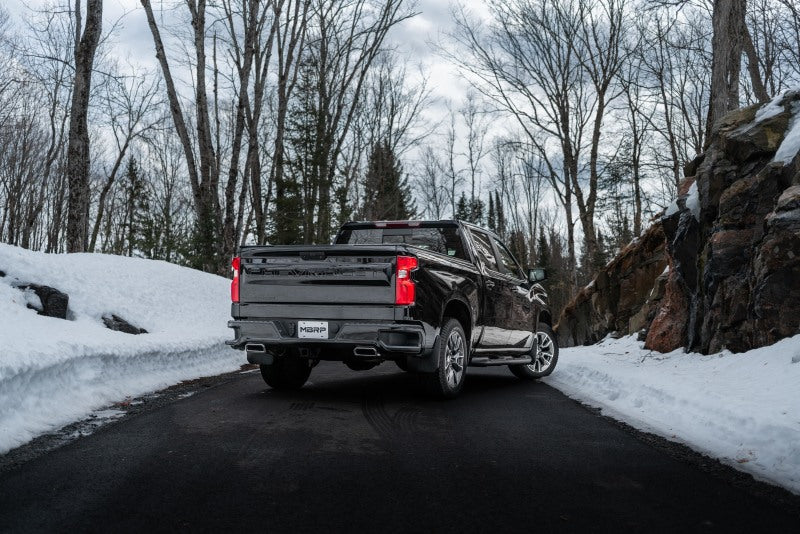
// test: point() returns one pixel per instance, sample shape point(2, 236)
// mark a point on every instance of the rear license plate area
point(312, 329)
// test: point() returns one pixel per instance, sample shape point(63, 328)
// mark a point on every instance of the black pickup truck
point(432, 296)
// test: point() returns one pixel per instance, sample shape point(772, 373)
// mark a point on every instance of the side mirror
point(537, 274)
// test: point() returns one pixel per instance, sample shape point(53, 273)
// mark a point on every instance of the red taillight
point(235, 283)
point(405, 291)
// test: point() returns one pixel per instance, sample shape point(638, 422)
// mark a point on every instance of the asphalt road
point(367, 452)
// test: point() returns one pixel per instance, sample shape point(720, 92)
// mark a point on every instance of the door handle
point(489, 284)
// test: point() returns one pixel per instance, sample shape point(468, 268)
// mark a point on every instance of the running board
point(485, 361)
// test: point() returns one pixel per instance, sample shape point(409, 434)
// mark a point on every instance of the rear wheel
point(544, 356)
point(452, 351)
point(286, 372)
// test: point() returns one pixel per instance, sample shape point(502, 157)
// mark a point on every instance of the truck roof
point(416, 224)
point(400, 224)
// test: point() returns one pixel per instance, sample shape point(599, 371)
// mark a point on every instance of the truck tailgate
point(321, 274)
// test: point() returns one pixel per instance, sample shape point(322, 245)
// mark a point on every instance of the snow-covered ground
point(54, 371)
point(741, 408)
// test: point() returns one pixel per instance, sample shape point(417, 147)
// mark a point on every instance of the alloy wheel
point(454, 359)
point(544, 353)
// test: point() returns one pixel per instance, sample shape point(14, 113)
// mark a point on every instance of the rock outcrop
point(622, 298)
point(734, 239)
point(731, 242)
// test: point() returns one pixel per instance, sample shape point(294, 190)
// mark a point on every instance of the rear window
point(443, 239)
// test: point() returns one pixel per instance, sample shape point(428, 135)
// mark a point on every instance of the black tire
point(402, 363)
point(452, 353)
point(286, 372)
point(544, 361)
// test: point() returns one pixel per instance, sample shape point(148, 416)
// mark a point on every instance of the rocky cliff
point(622, 298)
point(731, 242)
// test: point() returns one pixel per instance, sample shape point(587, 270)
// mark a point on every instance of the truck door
point(519, 315)
point(495, 293)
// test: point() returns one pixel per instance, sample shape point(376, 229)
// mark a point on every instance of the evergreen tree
point(601, 258)
point(387, 195)
point(462, 210)
point(139, 222)
point(470, 211)
point(476, 211)
point(543, 252)
point(491, 221)
point(302, 155)
point(592, 263)
point(517, 245)
point(500, 216)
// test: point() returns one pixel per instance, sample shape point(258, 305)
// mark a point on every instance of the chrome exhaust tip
point(365, 352)
point(255, 347)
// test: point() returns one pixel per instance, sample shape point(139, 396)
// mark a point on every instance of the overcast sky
point(133, 41)
point(414, 39)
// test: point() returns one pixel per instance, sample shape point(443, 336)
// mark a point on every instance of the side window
point(508, 265)
point(484, 249)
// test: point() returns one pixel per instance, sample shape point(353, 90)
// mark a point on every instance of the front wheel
point(286, 372)
point(544, 356)
point(452, 352)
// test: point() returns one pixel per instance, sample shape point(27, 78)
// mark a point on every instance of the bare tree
point(347, 37)
point(434, 193)
point(638, 120)
point(204, 170)
point(290, 40)
point(527, 62)
point(129, 103)
point(87, 37)
point(475, 150)
point(451, 170)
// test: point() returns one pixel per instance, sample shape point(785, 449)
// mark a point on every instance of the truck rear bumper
point(346, 340)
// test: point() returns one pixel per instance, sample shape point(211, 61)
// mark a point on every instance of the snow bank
point(55, 371)
point(743, 409)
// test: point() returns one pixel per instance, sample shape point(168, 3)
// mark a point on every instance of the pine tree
point(470, 211)
point(462, 210)
point(543, 253)
point(517, 245)
point(501, 218)
point(138, 219)
point(476, 211)
point(491, 221)
point(288, 215)
point(601, 254)
point(387, 195)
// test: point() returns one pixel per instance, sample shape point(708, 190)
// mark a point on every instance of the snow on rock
point(791, 143)
point(693, 201)
point(55, 371)
point(672, 209)
point(773, 108)
point(740, 408)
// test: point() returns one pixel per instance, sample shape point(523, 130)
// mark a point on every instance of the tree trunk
point(727, 45)
point(78, 139)
point(752, 66)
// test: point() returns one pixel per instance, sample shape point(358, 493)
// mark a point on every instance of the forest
point(235, 122)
